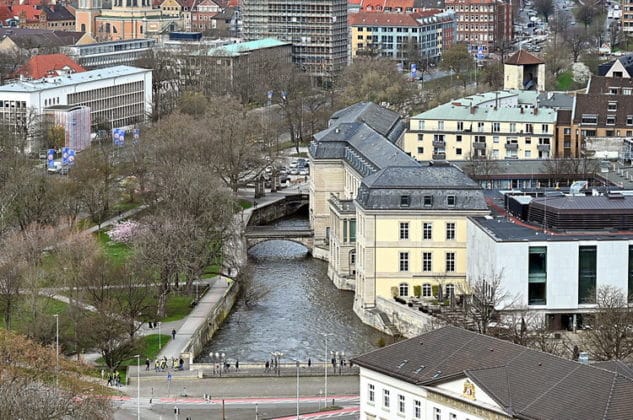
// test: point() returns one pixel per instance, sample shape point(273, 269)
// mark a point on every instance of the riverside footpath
point(187, 328)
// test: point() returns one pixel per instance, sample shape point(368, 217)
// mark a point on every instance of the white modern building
point(117, 96)
point(455, 374)
point(555, 272)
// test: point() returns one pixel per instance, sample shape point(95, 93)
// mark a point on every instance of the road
point(274, 396)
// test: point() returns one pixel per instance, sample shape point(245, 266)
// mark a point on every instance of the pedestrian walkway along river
point(301, 304)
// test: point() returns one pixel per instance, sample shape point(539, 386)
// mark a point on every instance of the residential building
point(627, 16)
point(554, 254)
point(492, 125)
point(620, 67)
point(392, 35)
point(201, 17)
point(394, 6)
point(108, 54)
point(485, 24)
point(452, 373)
point(51, 16)
point(386, 223)
point(602, 120)
point(39, 41)
point(317, 30)
point(45, 65)
point(117, 97)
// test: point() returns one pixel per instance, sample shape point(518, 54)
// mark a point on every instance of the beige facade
point(496, 125)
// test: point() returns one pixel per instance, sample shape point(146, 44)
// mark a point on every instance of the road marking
point(323, 414)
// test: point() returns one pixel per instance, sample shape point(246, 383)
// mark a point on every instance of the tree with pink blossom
point(125, 231)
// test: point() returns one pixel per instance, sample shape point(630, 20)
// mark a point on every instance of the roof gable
point(41, 66)
point(523, 57)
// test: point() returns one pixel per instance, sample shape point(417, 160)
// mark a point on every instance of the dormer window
point(612, 107)
point(450, 201)
point(405, 200)
point(428, 200)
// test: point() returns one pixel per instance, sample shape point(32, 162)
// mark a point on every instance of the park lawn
point(177, 307)
point(23, 318)
point(117, 252)
point(564, 81)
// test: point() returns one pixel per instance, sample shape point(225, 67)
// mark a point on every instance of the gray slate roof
point(526, 383)
point(384, 121)
point(384, 189)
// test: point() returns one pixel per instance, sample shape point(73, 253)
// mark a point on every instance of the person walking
point(237, 365)
point(309, 362)
point(146, 363)
point(173, 334)
point(267, 366)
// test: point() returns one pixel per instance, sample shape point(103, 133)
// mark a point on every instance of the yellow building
point(492, 125)
point(385, 222)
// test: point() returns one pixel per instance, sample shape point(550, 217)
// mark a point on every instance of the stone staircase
point(389, 326)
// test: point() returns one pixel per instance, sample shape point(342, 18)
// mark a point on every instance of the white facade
point(408, 401)
point(509, 259)
point(117, 96)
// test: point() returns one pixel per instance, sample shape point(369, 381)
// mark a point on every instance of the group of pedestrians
point(114, 377)
point(161, 365)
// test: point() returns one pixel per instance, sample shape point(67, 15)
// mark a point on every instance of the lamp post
point(56, 350)
point(159, 337)
point(325, 361)
point(297, 390)
point(138, 386)
point(276, 357)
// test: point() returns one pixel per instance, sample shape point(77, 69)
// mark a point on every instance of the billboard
point(414, 70)
point(50, 158)
point(68, 156)
point(136, 135)
point(118, 137)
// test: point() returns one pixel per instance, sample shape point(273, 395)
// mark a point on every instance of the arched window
point(426, 290)
point(403, 289)
point(450, 290)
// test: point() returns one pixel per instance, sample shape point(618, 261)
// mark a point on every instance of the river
point(301, 303)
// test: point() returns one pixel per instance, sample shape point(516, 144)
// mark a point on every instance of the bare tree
point(586, 13)
point(481, 167)
point(165, 85)
point(577, 41)
point(545, 8)
point(610, 336)
point(486, 295)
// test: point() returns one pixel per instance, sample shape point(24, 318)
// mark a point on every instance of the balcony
point(439, 155)
point(479, 145)
point(439, 143)
point(512, 146)
point(543, 147)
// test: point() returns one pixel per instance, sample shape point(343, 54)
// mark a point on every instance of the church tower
point(85, 15)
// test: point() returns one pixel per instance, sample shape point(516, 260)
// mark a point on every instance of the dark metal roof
point(587, 203)
point(384, 121)
point(526, 383)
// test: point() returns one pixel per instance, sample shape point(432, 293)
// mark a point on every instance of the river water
point(301, 303)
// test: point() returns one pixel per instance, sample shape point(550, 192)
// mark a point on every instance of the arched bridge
point(257, 230)
point(258, 234)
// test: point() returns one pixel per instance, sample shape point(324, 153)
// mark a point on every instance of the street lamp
point(159, 337)
point(276, 357)
point(56, 350)
point(218, 357)
point(138, 386)
point(297, 390)
point(325, 363)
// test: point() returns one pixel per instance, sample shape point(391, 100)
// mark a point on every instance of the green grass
point(125, 206)
point(564, 81)
point(117, 252)
point(37, 317)
point(177, 307)
point(245, 204)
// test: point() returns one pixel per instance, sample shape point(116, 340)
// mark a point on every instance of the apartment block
point(492, 125)
point(317, 30)
point(392, 34)
point(482, 23)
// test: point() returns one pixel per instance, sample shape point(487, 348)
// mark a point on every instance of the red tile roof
point(42, 65)
point(30, 12)
point(5, 13)
point(523, 57)
point(379, 5)
point(388, 19)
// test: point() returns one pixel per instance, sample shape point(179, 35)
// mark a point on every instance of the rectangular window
point(420, 150)
point(629, 120)
point(404, 230)
point(450, 231)
point(372, 393)
point(589, 119)
point(460, 126)
point(352, 230)
point(450, 201)
point(345, 230)
point(610, 119)
point(437, 413)
point(537, 275)
point(513, 127)
point(630, 273)
point(450, 262)
point(420, 137)
point(458, 138)
point(417, 409)
point(427, 262)
point(428, 200)
point(544, 128)
point(440, 125)
point(458, 151)
point(612, 107)
point(385, 398)
point(528, 128)
point(587, 274)
point(405, 200)
point(427, 231)
point(496, 127)
point(404, 261)
point(401, 404)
